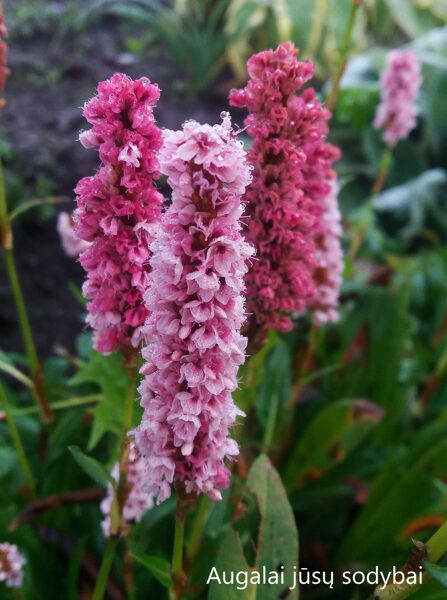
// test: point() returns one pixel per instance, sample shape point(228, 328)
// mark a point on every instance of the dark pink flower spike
point(292, 170)
point(117, 207)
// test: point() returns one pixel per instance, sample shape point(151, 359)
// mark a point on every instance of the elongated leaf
point(276, 558)
point(278, 536)
point(331, 436)
point(230, 560)
point(92, 467)
point(276, 381)
point(109, 374)
point(408, 204)
point(159, 567)
point(412, 20)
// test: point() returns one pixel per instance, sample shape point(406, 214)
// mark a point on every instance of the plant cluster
point(255, 363)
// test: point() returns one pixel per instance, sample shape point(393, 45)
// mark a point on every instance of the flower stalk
point(178, 575)
point(119, 498)
point(6, 243)
point(380, 180)
point(18, 445)
point(103, 575)
point(197, 528)
point(434, 549)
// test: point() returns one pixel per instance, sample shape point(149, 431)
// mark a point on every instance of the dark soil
point(52, 75)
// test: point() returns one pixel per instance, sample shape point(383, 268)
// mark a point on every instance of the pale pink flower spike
point(137, 501)
point(197, 309)
point(329, 257)
point(400, 85)
point(11, 565)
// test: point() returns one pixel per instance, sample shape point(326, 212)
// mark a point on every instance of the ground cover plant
point(223, 355)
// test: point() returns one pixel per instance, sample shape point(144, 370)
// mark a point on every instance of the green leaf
point(276, 380)
point(8, 460)
point(278, 536)
point(335, 431)
point(356, 105)
point(276, 545)
point(92, 467)
point(159, 567)
point(230, 559)
point(438, 573)
point(110, 375)
point(404, 490)
point(406, 207)
point(74, 568)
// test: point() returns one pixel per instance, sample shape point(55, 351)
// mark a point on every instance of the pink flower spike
point(400, 85)
point(4, 71)
point(199, 259)
point(292, 170)
point(137, 500)
point(11, 565)
point(117, 207)
point(329, 256)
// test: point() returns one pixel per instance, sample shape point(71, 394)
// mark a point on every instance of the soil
point(51, 76)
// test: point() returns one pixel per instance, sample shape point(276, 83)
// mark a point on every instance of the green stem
point(382, 174)
point(436, 548)
point(17, 441)
point(197, 528)
point(319, 17)
point(123, 454)
point(16, 374)
point(5, 225)
point(437, 544)
point(333, 95)
point(60, 405)
point(177, 555)
point(128, 571)
point(104, 571)
point(22, 314)
point(271, 422)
